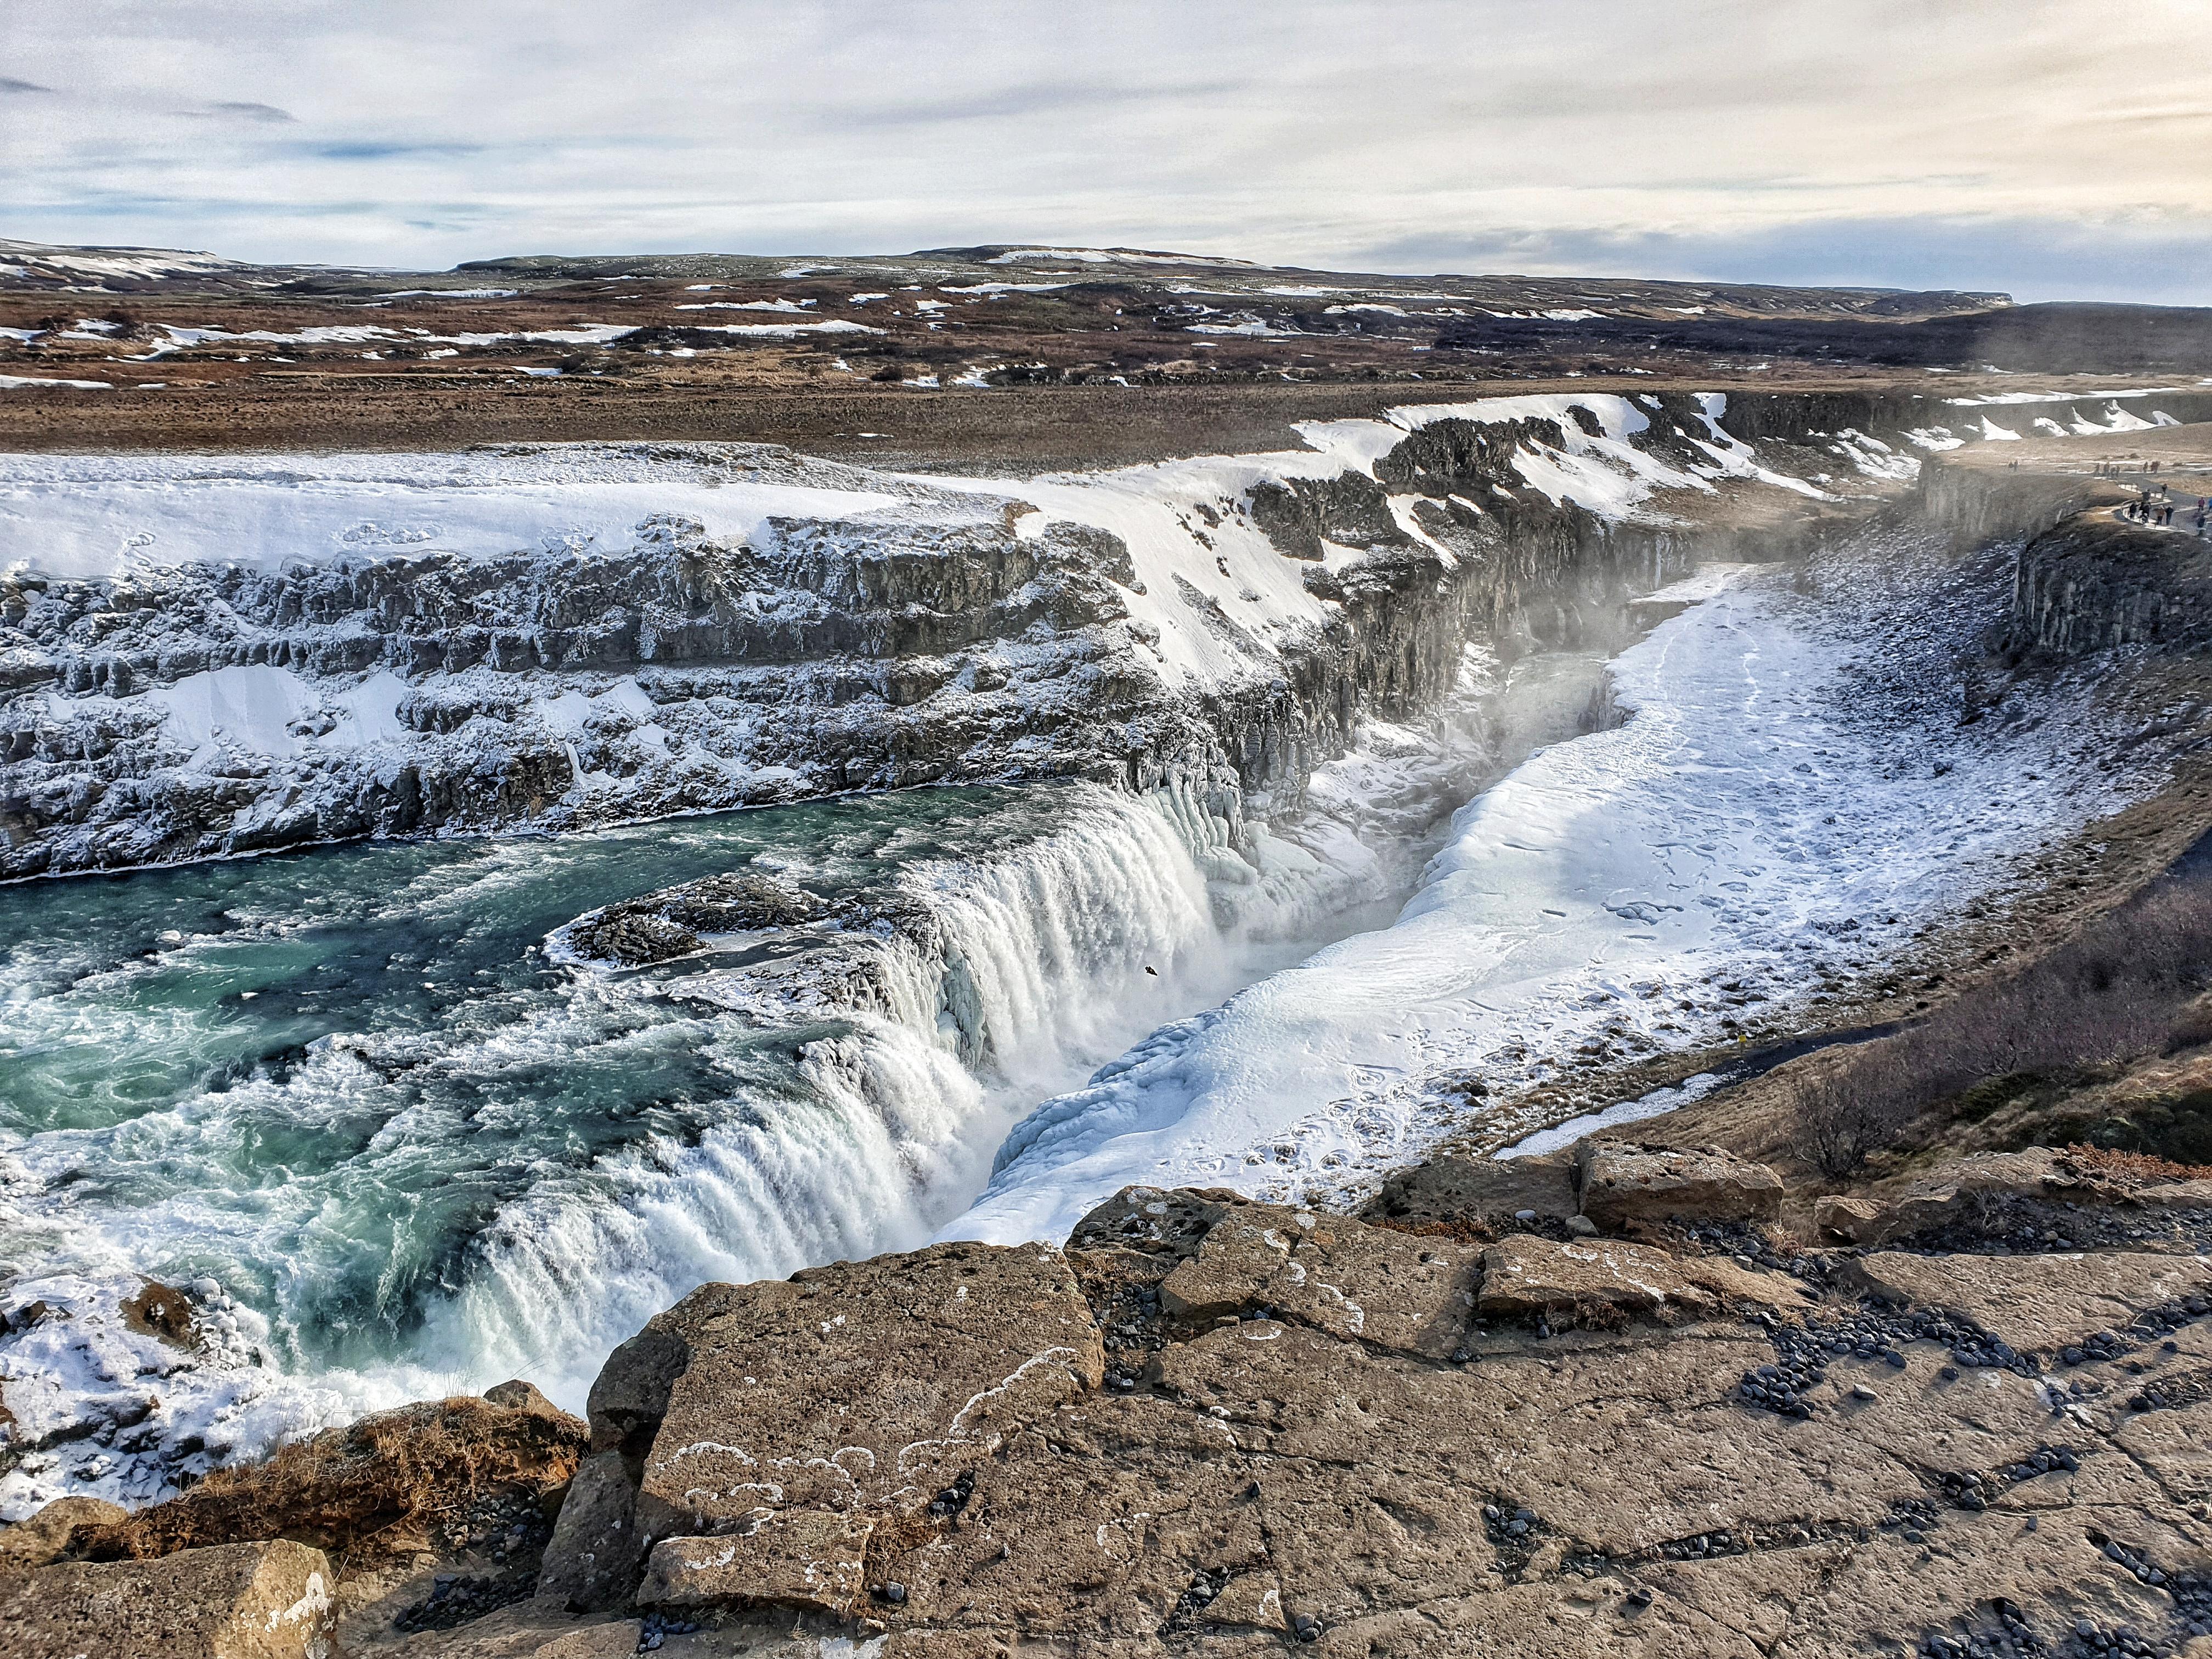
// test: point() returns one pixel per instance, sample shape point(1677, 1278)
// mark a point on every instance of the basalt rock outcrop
point(962, 636)
point(660, 926)
point(1209, 1425)
point(2092, 583)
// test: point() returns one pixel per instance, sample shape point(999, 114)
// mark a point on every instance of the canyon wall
point(171, 712)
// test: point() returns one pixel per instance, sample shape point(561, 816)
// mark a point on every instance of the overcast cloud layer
point(2048, 148)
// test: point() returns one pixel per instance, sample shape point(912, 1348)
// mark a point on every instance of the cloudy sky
point(2050, 147)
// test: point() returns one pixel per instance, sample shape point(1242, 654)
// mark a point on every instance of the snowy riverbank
point(1758, 829)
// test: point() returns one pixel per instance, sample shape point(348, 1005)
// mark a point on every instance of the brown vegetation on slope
point(394, 1482)
point(2126, 986)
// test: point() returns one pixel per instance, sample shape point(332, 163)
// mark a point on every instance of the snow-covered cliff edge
point(202, 656)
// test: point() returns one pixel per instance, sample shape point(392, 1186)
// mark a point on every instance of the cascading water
point(369, 1108)
point(1029, 974)
point(396, 1147)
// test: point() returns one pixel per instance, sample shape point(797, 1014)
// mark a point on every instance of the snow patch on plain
point(94, 516)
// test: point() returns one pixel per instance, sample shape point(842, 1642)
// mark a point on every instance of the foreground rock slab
point(234, 1601)
point(1351, 1281)
point(751, 1416)
point(1624, 1186)
point(1524, 1276)
point(806, 1559)
point(531, 1631)
point(1627, 1449)
point(867, 1383)
point(2036, 1303)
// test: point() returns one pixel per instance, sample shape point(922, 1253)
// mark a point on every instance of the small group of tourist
point(2162, 510)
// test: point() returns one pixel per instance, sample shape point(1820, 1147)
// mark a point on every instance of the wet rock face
point(669, 923)
point(796, 589)
point(162, 1311)
point(564, 687)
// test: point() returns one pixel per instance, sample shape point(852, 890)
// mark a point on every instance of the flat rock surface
point(530, 1630)
point(924, 1450)
point(1353, 1281)
point(810, 1559)
point(2036, 1301)
point(1623, 1184)
point(867, 1383)
point(232, 1601)
point(1523, 1275)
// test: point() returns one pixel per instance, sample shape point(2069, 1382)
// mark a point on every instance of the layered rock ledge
point(1629, 1414)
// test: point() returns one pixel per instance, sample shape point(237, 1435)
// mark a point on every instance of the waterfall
point(1034, 972)
point(516, 1187)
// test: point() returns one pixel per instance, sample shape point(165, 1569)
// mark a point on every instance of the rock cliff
point(2094, 582)
point(1223, 626)
point(1632, 1415)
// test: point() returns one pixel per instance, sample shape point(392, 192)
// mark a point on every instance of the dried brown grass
point(386, 1479)
point(2127, 986)
point(2135, 1167)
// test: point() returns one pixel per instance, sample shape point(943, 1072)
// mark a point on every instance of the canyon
point(1045, 1059)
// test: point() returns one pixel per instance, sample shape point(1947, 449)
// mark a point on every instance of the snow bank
point(93, 516)
point(1218, 594)
point(2057, 397)
point(1746, 824)
point(262, 710)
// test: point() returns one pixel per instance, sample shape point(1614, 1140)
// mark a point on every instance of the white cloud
point(1315, 131)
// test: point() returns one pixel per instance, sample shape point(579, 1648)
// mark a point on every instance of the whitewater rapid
point(1757, 829)
point(395, 1146)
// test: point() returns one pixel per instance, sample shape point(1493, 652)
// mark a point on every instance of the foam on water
point(396, 1150)
point(1040, 962)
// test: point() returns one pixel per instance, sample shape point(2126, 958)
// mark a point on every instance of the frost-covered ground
point(1792, 797)
point(107, 516)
